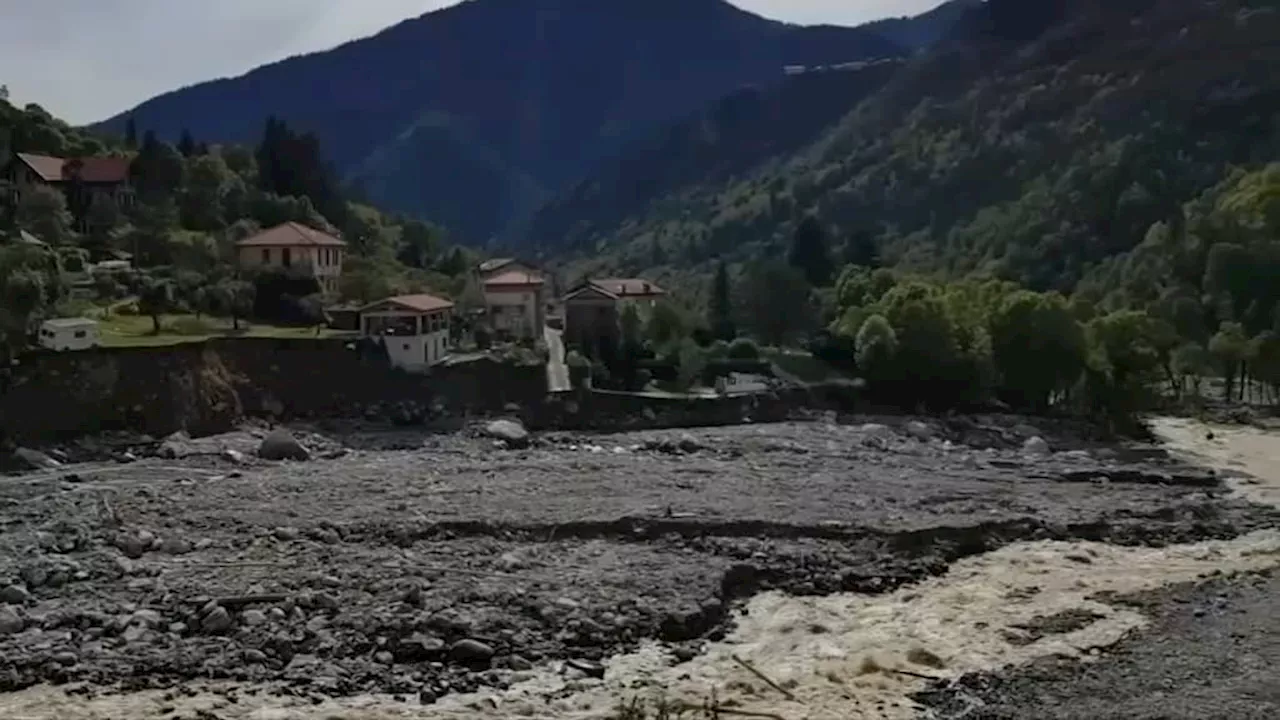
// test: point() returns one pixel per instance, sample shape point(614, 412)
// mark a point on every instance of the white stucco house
point(69, 334)
point(516, 303)
point(415, 329)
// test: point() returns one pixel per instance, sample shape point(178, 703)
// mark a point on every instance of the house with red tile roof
point(592, 308)
point(297, 247)
point(516, 303)
point(84, 180)
point(415, 329)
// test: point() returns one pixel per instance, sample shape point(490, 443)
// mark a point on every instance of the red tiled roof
point(92, 169)
point(515, 278)
point(291, 234)
point(628, 287)
point(415, 303)
point(495, 264)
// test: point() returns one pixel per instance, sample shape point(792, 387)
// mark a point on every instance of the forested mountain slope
point(474, 114)
point(1036, 141)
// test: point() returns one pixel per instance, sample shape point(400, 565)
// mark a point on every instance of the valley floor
point(402, 574)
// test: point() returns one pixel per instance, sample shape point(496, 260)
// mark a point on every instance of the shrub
point(744, 349)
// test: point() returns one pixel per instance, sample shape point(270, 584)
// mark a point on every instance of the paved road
point(557, 371)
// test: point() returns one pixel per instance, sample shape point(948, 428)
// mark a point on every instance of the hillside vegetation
point(1032, 144)
point(475, 114)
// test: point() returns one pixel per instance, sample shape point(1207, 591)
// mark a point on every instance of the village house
point(295, 246)
point(497, 266)
point(592, 309)
point(515, 301)
point(414, 328)
point(83, 180)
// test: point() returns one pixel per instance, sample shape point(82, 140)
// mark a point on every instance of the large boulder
point(1036, 446)
point(34, 459)
point(282, 445)
point(509, 431)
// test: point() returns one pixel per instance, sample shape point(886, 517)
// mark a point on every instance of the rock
point(1025, 430)
point(255, 657)
point(286, 534)
point(253, 618)
point(1036, 446)
point(919, 430)
point(66, 658)
point(688, 444)
point(509, 431)
point(146, 618)
point(282, 445)
point(217, 620)
point(234, 456)
point(14, 595)
point(175, 546)
point(876, 430)
point(385, 658)
point(131, 544)
point(10, 621)
point(34, 576)
point(421, 648)
point(470, 651)
point(34, 459)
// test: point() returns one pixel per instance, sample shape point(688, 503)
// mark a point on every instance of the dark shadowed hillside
point(476, 113)
point(1034, 142)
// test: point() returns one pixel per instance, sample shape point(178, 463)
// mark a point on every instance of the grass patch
point(117, 330)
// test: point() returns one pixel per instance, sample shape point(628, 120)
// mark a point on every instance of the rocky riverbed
point(564, 575)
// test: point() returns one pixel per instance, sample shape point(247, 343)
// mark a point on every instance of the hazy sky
point(85, 60)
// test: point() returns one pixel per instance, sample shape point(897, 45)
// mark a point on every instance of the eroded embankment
point(454, 569)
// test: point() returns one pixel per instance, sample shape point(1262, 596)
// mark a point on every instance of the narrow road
point(557, 371)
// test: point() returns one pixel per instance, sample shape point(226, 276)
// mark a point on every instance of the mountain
point(922, 31)
point(477, 113)
point(1033, 142)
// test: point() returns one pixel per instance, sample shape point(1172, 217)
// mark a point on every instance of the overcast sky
point(85, 60)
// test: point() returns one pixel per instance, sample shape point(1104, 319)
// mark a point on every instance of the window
point(266, 256)
point(286, 257)
point(80, 334)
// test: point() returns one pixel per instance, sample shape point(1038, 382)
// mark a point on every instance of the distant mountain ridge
point(476, 114)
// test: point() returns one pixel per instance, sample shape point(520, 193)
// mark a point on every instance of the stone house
point(295, 246)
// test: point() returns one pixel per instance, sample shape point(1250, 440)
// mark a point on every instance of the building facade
point(592, 309)
point(414, 328)
point(294, 246)
point(515, 302)
point(83, 181)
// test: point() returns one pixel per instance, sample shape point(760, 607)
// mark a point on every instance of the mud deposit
point(397, 570)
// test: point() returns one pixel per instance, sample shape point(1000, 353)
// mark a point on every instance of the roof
point(413, 303)
point(495, 264)
point(25, 237)
point(91, 169)
point(291, 234)
point(516, 278)
point(628, 287)
point(68, 323)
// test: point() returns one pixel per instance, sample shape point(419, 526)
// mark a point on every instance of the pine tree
point(187, 144)
point(809, 253)
point(721, 319)
point(131, 134)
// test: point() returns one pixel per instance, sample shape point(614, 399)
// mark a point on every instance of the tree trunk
point(155, 324)
point(235, 322)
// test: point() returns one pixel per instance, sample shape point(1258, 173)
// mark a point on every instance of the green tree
point(209, 181)
point(774, 302)
point(234, 298)
point(927, 349)
point(419, 244)
point(1266, 362)
point(876, 350)
point(743, 349)
point(666, 324)
point(1229, 348)
point(42, 210)
point(1038, 347)
point(721, 311)
point(693, 360)
point(1191, 363)
point(1123, 362)
point(131, 134)
point(155, 298)
point(809, 252)
point(186, 144)
point(30, 284)
point(157, 170)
